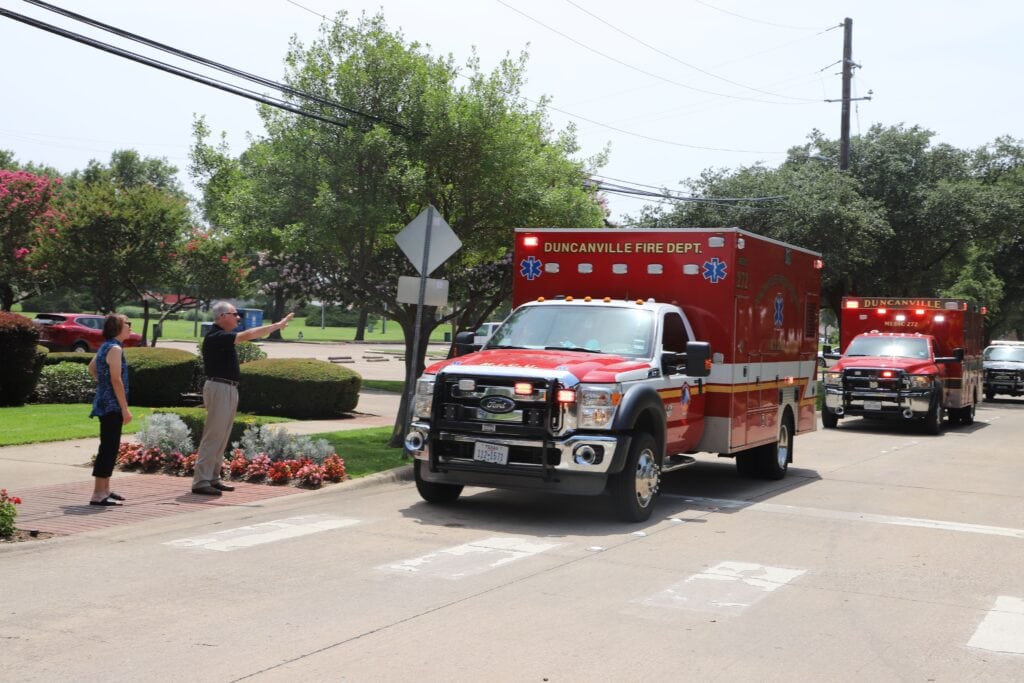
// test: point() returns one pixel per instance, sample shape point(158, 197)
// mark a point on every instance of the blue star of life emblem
point(778, 311)
point(529, 267)
point(714, 270)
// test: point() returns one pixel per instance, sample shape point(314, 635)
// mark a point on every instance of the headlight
point(919, 381)
point(423, 399)
point(832, 378)
point(597, 404)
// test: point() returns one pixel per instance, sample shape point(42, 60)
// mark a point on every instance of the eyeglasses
point(128, 323)
point(234, 313)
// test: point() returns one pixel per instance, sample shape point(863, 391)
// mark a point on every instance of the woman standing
point(110, 370)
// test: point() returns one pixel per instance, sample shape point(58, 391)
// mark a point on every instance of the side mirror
point(957, 357)
point(463, 344)
point(693, 363)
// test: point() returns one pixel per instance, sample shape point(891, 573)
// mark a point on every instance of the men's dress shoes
point(206, 490)
point(221, 486)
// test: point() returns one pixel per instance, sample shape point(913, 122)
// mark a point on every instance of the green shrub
point(21, 362)
point(55, 357)
point(158, 376)
point(299, 388)
point(247, 352)
point(68, 382)
point(195, 419)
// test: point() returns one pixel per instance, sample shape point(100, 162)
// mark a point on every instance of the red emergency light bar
point(853, 304)
point(531, 241)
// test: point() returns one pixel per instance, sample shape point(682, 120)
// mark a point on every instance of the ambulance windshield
point(593, 328)
point(892, 347)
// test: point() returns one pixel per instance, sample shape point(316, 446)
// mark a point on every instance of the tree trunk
point(145, 321)
point(6, 297)
point(278, 313)
point(414, 363)
point(361, 325)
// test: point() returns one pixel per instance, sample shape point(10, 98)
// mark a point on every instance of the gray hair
point(219, 308)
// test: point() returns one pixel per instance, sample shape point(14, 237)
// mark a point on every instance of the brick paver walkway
point(65, 509)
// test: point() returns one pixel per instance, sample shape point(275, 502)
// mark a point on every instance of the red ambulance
point(627, 351)
point(907, 359)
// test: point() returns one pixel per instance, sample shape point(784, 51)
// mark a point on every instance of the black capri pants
point(111, 425)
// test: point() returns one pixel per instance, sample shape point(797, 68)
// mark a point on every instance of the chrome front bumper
point(569, 448)
point(862, 402)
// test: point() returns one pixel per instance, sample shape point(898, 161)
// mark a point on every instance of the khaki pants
point(221, 401)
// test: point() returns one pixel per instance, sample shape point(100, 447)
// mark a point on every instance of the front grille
point(1002, 375)
point(489, 406)
point(871, 380)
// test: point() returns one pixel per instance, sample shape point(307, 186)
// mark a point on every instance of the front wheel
point(933, 420)
point(635, 488)
point(990, 395)
point(80, 347)
point(829, 420)
point(432, 492)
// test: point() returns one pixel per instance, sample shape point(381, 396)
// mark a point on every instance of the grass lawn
point(187, 330)
point(55, 422)
point(365, 451)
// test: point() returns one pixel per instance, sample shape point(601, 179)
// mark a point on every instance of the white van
point(484, 332)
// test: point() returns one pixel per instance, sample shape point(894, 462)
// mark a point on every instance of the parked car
point(484, 333)
point(74, 332)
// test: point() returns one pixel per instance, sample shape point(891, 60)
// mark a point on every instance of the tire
point(432, 492)
point(989, 395)
point(933, 420)
point(80, 347)
point(966, 414)
point(635, 489)
point(829, 420)
point(773, 458)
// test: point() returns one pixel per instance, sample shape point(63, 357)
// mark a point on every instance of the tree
point(28, 213)
point(408, 136)
point(118, 237)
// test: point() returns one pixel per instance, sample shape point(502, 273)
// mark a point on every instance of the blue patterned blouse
point(106, 401)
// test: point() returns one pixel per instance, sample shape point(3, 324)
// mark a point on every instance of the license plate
point(490, 452)
point(872, 405)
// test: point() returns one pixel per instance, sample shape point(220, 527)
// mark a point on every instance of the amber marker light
point(523, 388)
point(531, 241)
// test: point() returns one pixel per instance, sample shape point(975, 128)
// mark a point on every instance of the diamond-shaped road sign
point(413, 240)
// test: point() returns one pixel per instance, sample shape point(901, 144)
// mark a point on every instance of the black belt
point(223, 381)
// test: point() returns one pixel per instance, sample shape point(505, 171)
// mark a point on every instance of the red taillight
point(566, 396)
point(531, 241)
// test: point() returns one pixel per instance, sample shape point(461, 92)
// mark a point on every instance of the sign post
point(428, 241)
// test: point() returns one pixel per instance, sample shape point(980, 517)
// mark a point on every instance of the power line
point(286, 89)
point(686, 64)
point(636, 68)
point(756, 21)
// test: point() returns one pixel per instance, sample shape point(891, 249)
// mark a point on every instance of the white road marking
point(470, 558)
point(1002, 629)
point(267, 532)
point(857, 517)
point(728, 587)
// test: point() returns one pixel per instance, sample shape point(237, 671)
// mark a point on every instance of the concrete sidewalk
point(54, 479)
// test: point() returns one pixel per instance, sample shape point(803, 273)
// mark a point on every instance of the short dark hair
point(112, 325)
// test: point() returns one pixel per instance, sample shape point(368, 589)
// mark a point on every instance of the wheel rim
point(782, 452)
point(646, 478)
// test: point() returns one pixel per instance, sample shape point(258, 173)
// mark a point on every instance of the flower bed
point(303, 471)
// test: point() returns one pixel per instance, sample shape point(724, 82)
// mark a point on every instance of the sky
point(670, 87)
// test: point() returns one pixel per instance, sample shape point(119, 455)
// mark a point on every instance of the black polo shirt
point(220, 359)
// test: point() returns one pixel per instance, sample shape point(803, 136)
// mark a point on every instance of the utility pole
point(844, 121)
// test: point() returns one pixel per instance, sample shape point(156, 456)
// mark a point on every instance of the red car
point(74, 332)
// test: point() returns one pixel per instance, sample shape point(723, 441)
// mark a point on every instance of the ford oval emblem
point(498, 404)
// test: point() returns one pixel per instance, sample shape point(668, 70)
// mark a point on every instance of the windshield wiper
point(571, 348)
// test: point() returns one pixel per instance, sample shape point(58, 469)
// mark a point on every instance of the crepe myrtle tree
point(29, 211)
